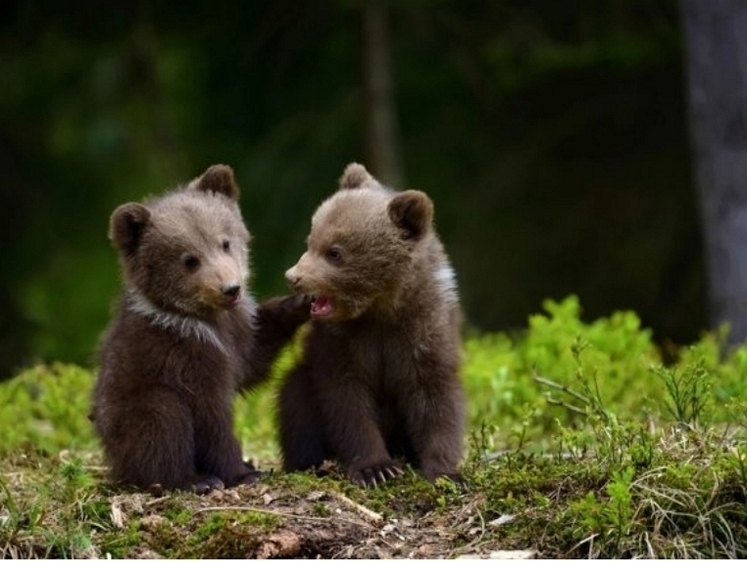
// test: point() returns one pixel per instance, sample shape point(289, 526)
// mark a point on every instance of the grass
point(583, 442)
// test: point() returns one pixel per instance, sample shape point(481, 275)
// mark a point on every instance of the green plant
point(688, 391)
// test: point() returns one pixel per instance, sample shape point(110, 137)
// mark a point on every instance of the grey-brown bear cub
point(379, 375)
point(186, 336)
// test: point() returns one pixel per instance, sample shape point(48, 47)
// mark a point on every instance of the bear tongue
point(321, 306)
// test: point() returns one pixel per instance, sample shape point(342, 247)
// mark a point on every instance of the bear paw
point(207, 484)
point(372, 476)
point(250, 476)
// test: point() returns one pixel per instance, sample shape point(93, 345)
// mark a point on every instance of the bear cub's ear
point(412, 211)
point(126, 226)
point(354, 176)
point(218, 179)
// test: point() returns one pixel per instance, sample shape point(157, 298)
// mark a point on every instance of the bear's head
point(186, 252)
point(365, 246)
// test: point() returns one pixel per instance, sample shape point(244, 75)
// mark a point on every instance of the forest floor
point(688, 504)
point(582, 443)
point(62, 507)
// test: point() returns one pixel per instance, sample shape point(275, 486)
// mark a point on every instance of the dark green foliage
point(550, 135)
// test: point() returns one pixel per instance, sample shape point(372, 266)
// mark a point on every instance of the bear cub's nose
point(231, 290)
point(291, 278)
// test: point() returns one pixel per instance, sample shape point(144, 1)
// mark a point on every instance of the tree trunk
point(382, 144)
point(716, 46)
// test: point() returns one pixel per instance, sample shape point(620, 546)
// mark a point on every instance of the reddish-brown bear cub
point(186, 336)
point(378, 378)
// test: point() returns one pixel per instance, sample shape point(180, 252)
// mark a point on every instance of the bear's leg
point(352, 428)
point(151, 442)
point(301, 430)
point(435, 419)
point(218, 453)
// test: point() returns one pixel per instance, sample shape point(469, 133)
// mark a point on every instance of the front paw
point(290, 311)
point(298, 308)
point(373, 475)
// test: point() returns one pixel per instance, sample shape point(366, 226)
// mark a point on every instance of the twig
point(572, 408)
point(362, 509)
point(563, 388)
point(156, 501)
point(558, 386)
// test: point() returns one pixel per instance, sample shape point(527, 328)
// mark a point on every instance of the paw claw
point(373, 476)
point(393, 471)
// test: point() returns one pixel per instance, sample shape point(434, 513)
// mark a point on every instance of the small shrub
point(47, 407)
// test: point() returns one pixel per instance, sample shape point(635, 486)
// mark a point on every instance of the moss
point(121, 542)
point(177, 514)
point(231, 534)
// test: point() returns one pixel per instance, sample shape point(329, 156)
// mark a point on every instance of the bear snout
point(231, 290)
point(292, 278)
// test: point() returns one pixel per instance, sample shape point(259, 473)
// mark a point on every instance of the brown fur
point(185, 338)
point(379, 375)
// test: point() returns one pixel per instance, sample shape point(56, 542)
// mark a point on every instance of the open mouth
point(321, 306)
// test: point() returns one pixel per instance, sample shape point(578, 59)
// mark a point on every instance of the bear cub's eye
point(333, 254)
point(226, 245)
point(191, 263)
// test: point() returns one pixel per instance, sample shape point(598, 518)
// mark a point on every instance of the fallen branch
point(362, 509)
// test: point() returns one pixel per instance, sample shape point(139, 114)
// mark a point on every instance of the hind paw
point(207, 484)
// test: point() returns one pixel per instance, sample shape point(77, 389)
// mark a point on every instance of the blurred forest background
point(552, 136)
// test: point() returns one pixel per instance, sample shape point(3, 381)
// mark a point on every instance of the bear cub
point(185, 337)
point(379, 375)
